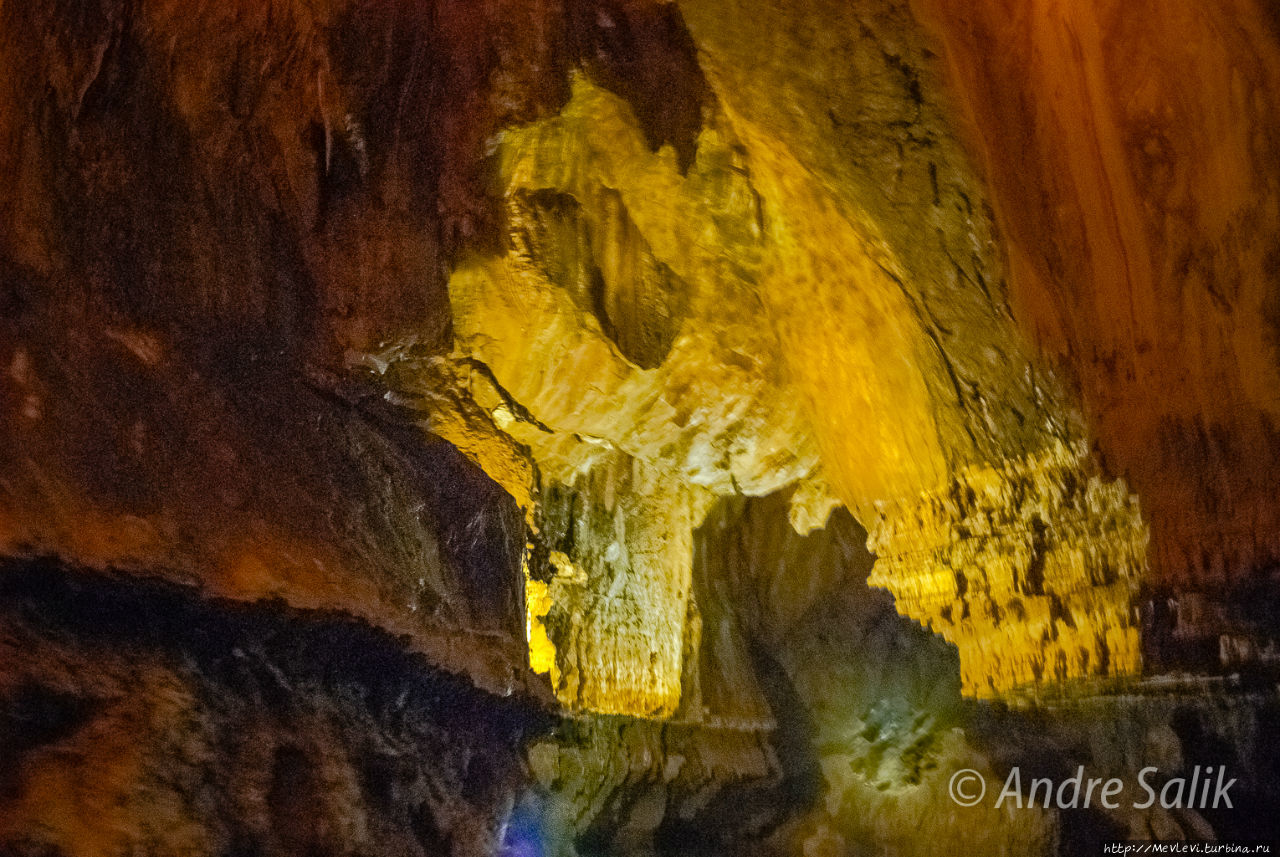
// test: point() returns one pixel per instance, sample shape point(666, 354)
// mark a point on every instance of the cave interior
point(654, 428)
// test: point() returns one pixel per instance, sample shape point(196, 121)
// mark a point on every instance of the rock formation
point(1030, 570)
point(625, 426)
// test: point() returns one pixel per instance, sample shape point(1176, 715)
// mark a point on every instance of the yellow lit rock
point(624, 321)
point(655, 332)
point(460, 402)
point(625, 312)
point(852, 342)
point(542, 652)
point(618, 611)
point(718, 330)
point(1029, 569)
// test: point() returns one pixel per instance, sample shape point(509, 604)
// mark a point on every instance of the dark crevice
point(141, 614)
point(643, 52)
point(31, 717)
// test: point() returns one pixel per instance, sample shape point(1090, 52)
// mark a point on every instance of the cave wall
point(1130, 150)
point(143, 716)
point(569, 358)
point(602, 250)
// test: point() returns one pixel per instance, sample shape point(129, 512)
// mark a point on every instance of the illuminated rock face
point(679, 246)
point(1029, 569)
point(883, 279)
point(1131, 151)
point(620, 598)
point(521, 331)
point(726, 316)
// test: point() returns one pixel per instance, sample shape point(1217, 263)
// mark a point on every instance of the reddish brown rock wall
point(1132, 151)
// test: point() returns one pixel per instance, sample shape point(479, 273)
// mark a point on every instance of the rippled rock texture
point(1030, 570)
point(629, 426)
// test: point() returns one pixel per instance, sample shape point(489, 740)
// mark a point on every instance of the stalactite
point(1029, 568)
